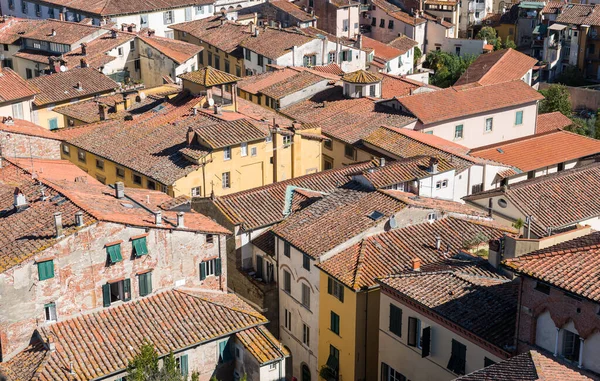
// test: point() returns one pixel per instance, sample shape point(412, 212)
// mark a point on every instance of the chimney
point(151, 32)
point(58, 224)
point(20, 202)
point(416, 264)
point(131, 28)
point(279, 25)
point(255, 32)
point(359, 41)
point(180, 220)
point(252, 29)
point(79, 218)
point(83, 49)
point(102, 110)
point(194, 110)
point(8, 120)
point(61, 16)
point(127, 102)
point(190, 136)
point(448, 248)
point(119, 190)
point(124, 27)
point(158, 217)
point(53, 33)
point(114, 33)
point(223, 19)
point(51, 344)
point(79, 86)
point(382, 161)
point(438, 242)
point(433, 165)
point(83, 63)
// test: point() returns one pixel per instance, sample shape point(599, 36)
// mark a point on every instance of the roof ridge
point(359, 262)
point(517, 140)
point(236, 309)
point(498, 61)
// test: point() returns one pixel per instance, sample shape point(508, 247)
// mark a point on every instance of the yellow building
point(196, 144)
point(220, 39)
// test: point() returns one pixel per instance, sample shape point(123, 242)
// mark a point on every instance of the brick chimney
point(83, 49)
point(83, 62)
point(151, 32)
point(190, 136)
point(102, 108)
point(416, 264)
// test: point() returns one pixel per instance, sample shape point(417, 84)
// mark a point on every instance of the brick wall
point(18, 145)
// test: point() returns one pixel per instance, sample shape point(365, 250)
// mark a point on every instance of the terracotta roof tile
point(24, 366)
point(446, 206)
point(292, 85)
point(13, 87)
point(573, 190)
point(487, 307)
point(265, 242)
point(540, 150)
point(255, 83)
point(227, 36)
point(333, 68)
point(394, 86)
point(392, 252)
point(579, 14)
point(180, 319)
point(209, 76)
point(263, 206)
point(24, 127)
point(228, 133)
point(497, 67)
point(61, 87)
point(262, 345)
point(65, 32)
point(529, 366)
point(118, 7)
point(454, 102)
point(551, 121)
point(397, 13)
point(553, 7)
point(273, 43)
point(34, 55)
point(403, 43)
point(178, 51)
point(381, 50)
point(437, 20)
point(97, 50)
point(13, 28)
point(361, 76)
point(293, 10)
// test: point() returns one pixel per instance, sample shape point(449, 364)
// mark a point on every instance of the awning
point(531, 5)
point(557, 27)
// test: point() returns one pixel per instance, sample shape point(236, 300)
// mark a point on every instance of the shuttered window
point(114, 253)
point(116, 291)
point(45, 269)
point(210, 267)
point(335, 323)
point(426, 342)
point(183, 365)
point(457, 358)
point(145, 283)
point(414, 332)
point(336, 289)
point(395, 320)
point(139, 247)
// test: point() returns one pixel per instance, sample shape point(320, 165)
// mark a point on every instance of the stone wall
point(24, 146)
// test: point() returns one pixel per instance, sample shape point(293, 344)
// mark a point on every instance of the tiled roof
point(394, 86)
point(24, 366)
point(348, 120)
point(580, 14)
point(65, 32)
point(344, 3)
point(228, 133)
point(396, 172)
point(539, 150)
point(381, 50)
point(572, 266)
point(556, 200)
point(553, 7)
point(456, 102)
point(118, 7)
point(497, 67)
point(255, 83)
point(24, 127)
point(178, 51)
point(262, 345)
point(103, 342)
point(397, 13)
point(61, 87)
point(338, 217)
point(12, 28)
point(263, 206)
point(486, 307)
point(551, 121)
point(291, 85)
point(529, 366)
point(361, 76)
point(333, 68)
point(97, 49)
point(293, 10)
point(34, 55)
point(13, 87)
point(446, 206)
point(403, 43)
point(392, 252)
point(209, 76)
point(273, 43)
point(437, 20)
point(227, 36)
point(265, 242)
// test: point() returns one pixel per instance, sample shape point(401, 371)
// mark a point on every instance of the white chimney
point(438, 242)
point(58, 224)
point(180, 220)
point(19, 199)
point(382, 161)
point(158, 217)
point(51, 344)
point(79, 218)
point(119, 189)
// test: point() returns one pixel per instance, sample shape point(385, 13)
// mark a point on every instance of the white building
point(384, 22)
point(15, 104)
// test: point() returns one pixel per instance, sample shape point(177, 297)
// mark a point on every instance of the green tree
point(571, 76)
point(487, 33)
point(509, 44)
point(144, 366)
point(417, 56)
point(556, 99)
point(447, 67)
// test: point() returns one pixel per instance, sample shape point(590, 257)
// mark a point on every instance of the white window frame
point(226, 180)
point(287, 140)
point(50, 312)
point(227, 153)
point(431, 217)
point(195, 192)
point(486, 130)
point(210, 267)
point(462, 131)
point(244, 149)
point(17, 111)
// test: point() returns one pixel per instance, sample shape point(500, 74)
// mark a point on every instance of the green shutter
point(114, 253)
point(46, 270)
point(106, 294)
point(519, 119)
point(222, 351)
point(183, 365)
point(335, 323)
point(127, 290)
point(145, 282)
point(149, 282)
point(139, 247)
point(218, 266)
point(202, 270)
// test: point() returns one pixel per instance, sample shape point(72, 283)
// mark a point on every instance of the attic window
point(376, 215)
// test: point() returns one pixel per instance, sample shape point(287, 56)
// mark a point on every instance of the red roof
point(178, 51)
point(24, 127)
point(499, 66)
point(551, 121)
point(381, 50)
point(13, 87)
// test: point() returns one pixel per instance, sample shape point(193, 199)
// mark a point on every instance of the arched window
point(305, 372)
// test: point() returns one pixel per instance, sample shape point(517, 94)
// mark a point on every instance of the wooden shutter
point(412, 332)
point(395, 320)
point(183, 364)
point(142, 284)
point(45, 270)
point(218, 266)
point(127, 290)
point(426, 342)
point(202, 270)
point(330, 286)
point(106, 295)
point(140, 247)
point(341, 287)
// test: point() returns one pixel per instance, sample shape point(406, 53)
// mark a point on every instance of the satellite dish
point(211, 102)
point(63, 68)
point(393, 222)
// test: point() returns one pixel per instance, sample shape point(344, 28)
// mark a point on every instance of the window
point(336, 289)
point(346, 55)
point(145, 283)
point(114, 253)
point(331, 57)
point(287, 320)
point(431, 217)
point(458, 132)
point(227, 66)
point(244, 149)
point(328, 144)
point(444, 183)
point(238, 71)
point(541, 287)
point(183, 364)
point(132, 44)
point(209, 238)
point(414, 332)
point(168, 17)
point(120, 51)
point(28, 73)
point(38, 11)
point(24, 6)
point(210, 267)
point(253, 151)
point(373, 21)
point(570, 346)
point(209, 56)
point(137, 65)
point(137, 179)
point(305, 334)
point(81, 155)
point(150, 185)
point(140, 246)
point(287, 281)
point(199, 10)
point(100, 164)
point(287, 140)
point(286, 249)
point(457, 358)
point(66, 150)
point(345, 25)
point(489, 122)
point(349, 151)
point(248, 54)
point(306, 262)
point(519, 118)
point(391, 24)
point(382, 23)
point(120, 172)
point(196, 191)
point(591, 49)
point(390, 374)
point(335, 323)
point(50, 311)
point(217, 62)
point(261, 60)
point(333, 361)
point(306, 296)
point(457, 51)
point(17, 111)
point(530, 175)
point(116, 291)
point(395, 320)
point(477, 188)
point(11, 4)
point(226, 180)
point(227, 153)
point(309, 60)
point(372, 90)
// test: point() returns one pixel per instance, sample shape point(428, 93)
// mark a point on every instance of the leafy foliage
point(556, 99)
point(417, 56)
point(144, 366)
point(571, 76)
point(447, 67)
point(489, 34)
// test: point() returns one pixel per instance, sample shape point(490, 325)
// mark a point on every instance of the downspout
point(204, 179)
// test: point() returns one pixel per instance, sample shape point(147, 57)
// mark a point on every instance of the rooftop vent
point(376, 215)
point(20, 202)
point(119, 190)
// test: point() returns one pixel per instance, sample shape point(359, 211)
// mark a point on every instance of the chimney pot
point(416, 264)
point(58, 224)
point(83, 62)
point(119, 190)
point(438, 242)
point(19, 199)
point(180, 220)
point(382, 161)
point(79, 218)
point(51, 344)
point(158, 217)
point(53, 33)
point(433, 165)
